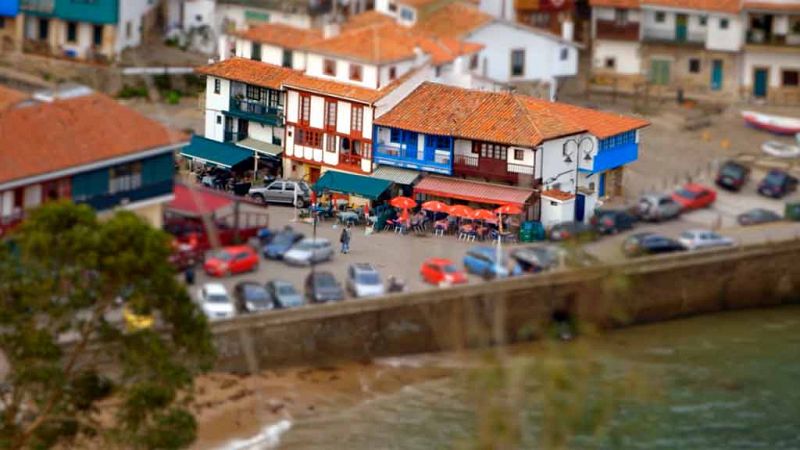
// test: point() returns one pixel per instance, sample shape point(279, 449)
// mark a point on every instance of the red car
point(694, 196)
point(230, 260)
point(441, 272)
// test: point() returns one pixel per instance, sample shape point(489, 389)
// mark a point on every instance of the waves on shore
point(269, 437)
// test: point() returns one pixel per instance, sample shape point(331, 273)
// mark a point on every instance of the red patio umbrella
point(435, 206)
point(463, 211)
point(484, 214)
point(509, 210)
point(403, 202)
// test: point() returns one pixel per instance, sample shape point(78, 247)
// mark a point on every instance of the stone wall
point(507, 311)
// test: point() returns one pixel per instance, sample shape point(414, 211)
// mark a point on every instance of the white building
point(191, 23)
point(615, 37)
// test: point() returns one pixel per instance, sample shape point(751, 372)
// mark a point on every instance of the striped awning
point(473, 191)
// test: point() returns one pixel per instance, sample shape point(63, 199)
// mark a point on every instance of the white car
point(215, 301)
point(703, 239)
point(363, 280)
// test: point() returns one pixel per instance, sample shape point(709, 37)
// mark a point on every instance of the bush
point(132, 91)
point(173, 97)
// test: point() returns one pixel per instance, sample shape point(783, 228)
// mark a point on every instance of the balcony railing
point(762, 37)
point(489, 168)
point(672, 36)
point(610, 29)
point(152, 190)
point(350, 159)
point(234, 136)
point(253, 110)
point(400, 156)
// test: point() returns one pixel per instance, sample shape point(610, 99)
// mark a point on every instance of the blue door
point(601, 188)
point(410, 140)
point(760, 77)
point(580, 206)
point(681, 20)
point(716, 75)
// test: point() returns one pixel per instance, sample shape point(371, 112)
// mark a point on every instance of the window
point(564, 54)
point(621, 16)
point(275, 99)
point(357, 119)
point(219, 120)
point(128, 29)
point(330, 143)
point(610, 63)
point(519, 154)
point(392, 72)
point(72, 32)
point(694, 65)
point(2, 22)
point(473, 62)
point(330, 115)
point(437, 142)
point(395, 136)
point(253, 92)
point(198, 18)
point(286, 59)
point(540, 19)
point(44, 29)
point(628, 137)
point(329, 67)
point(661, 16)
point(517, 62)
point(493, 151)
point(791, 78)
point(217, 85)
point(407, 14)
point(255, 52)
point(392, 7)
point(723, 24)
point(125, 177)
point(308, 138)
point(305, 108)
point(355, 72)
point(703, 21)
point(97, 35)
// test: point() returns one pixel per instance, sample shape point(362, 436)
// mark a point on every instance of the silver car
point(658, 207)
point(363, 280)
point(703, 239)
point(283, 191)
point(309, 251)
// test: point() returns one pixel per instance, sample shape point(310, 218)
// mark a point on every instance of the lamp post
point(579, 148)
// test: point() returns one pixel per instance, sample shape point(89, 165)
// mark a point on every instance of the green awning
point(219, 153)
point(347, 183)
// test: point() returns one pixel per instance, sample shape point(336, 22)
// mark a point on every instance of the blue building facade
point(411, 150)
point(616, 151)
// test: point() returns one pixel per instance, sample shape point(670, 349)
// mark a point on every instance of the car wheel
point(260, 198)
point(299, 203)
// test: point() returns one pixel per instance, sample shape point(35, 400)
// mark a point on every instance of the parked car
point(777, 184)
point(732, 175)
point(281, 243)
point(650, 244)
point(229, 260)
point(283, 294)
point(363, 280)
point(309, 251)
point(483, 261)
point(612, 221)
point(322, 287)
point(758, 216)
point(703, 239)
point(441, 272)
point(658, 207)
point(283, 191)
point(214, 301)
point(571, 230)
point(250, 297)
point(694, 196)
point(539, 258)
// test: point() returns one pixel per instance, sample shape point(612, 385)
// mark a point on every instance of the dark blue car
point(482, 260)
point(281, 244)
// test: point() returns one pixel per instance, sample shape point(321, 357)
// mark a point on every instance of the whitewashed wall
point(776, 62)
point(131, 11)
point(315, 66)
point(730, 39)
point(215, 105)
point(625, 53)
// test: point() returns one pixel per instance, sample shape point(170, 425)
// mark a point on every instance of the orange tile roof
point(376, 44)
point(454, 20)
point(726, 6)
point(766, 5)
point(344, 90)
point(499, 117)
point(47, 137)
point(444, 50)
point(10, 97)
point(416, 3)
point(252, 72)
point(281, 35)
point(366, 19)
point(629, 4)
point(557, 194)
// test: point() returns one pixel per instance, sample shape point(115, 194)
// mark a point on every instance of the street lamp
point(577, 148)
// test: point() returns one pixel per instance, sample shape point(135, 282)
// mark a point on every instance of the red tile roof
point(472, 191)
point(726, 6)
point(48, 137)
point(499, 117)
point(557, 194)
point(366, 19)
point(766, 5)
point(10, 97)
point(281, 35)
point(628, 4)
point(444, 50)
point(344, 90)
point(252, 72)
point(454, 20)
point(376, 44)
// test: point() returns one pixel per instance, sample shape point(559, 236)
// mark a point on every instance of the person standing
point(344, 239)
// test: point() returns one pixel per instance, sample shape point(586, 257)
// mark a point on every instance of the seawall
point(506, 311)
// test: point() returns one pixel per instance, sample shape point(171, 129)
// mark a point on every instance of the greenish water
point(725, 381)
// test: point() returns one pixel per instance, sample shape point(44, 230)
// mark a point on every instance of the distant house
point(191, 23)
point(10, 26)
point(85, 147)
point(233, 15)
point(554, 160)
point(95, 30)
point(615, 39)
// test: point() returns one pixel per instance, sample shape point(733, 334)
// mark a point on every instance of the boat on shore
point(772, 123)
point(780, 150)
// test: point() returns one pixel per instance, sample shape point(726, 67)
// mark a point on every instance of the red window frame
point(308, 138)
point(331, 108)
point(305, 108)
point(356, 72)
point(357, 120)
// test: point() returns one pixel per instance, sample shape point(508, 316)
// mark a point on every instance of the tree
point(75, 370)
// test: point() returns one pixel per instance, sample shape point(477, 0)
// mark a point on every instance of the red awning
point(473, 191)
point(197, 201)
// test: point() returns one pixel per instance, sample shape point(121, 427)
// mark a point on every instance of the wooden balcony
point(610, 29)
point(492, 169)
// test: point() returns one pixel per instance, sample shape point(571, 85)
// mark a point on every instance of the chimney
point(568, 30)
point(330, 29)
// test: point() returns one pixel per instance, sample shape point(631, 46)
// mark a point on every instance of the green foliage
point(61, 283)
point(128, 91)
point(173, 97)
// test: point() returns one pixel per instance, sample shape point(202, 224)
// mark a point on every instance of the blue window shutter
point(89, 184)
point(156, 169)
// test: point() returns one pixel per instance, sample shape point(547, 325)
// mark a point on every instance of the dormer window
point(356, 72)
point(407, 14)
point(329, 67)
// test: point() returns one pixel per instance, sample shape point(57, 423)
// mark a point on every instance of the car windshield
point(733, 171)
point(687, 235)
point(283, 239)
point(255, 294)
point(286, 290)
point(688, 194)
point(221, 255)
point(368, 278)
point(774, 178)
point(450, 268)
point(217, 298)
point(325, 281)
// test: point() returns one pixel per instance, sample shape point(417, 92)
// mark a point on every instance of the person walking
point(344, 238)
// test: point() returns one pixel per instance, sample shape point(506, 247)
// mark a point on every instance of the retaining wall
point(644, 290)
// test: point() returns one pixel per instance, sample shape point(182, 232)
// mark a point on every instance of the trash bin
point(792, 211)
point(530, 231)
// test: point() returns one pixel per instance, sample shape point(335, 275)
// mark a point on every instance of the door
point(760, 77)
point(716, 75)
point(601, 185)
point(274, 192)
point(580, 206)
point(313, 174)
point(680, 27)
point(410, 141)
point(659, 72)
